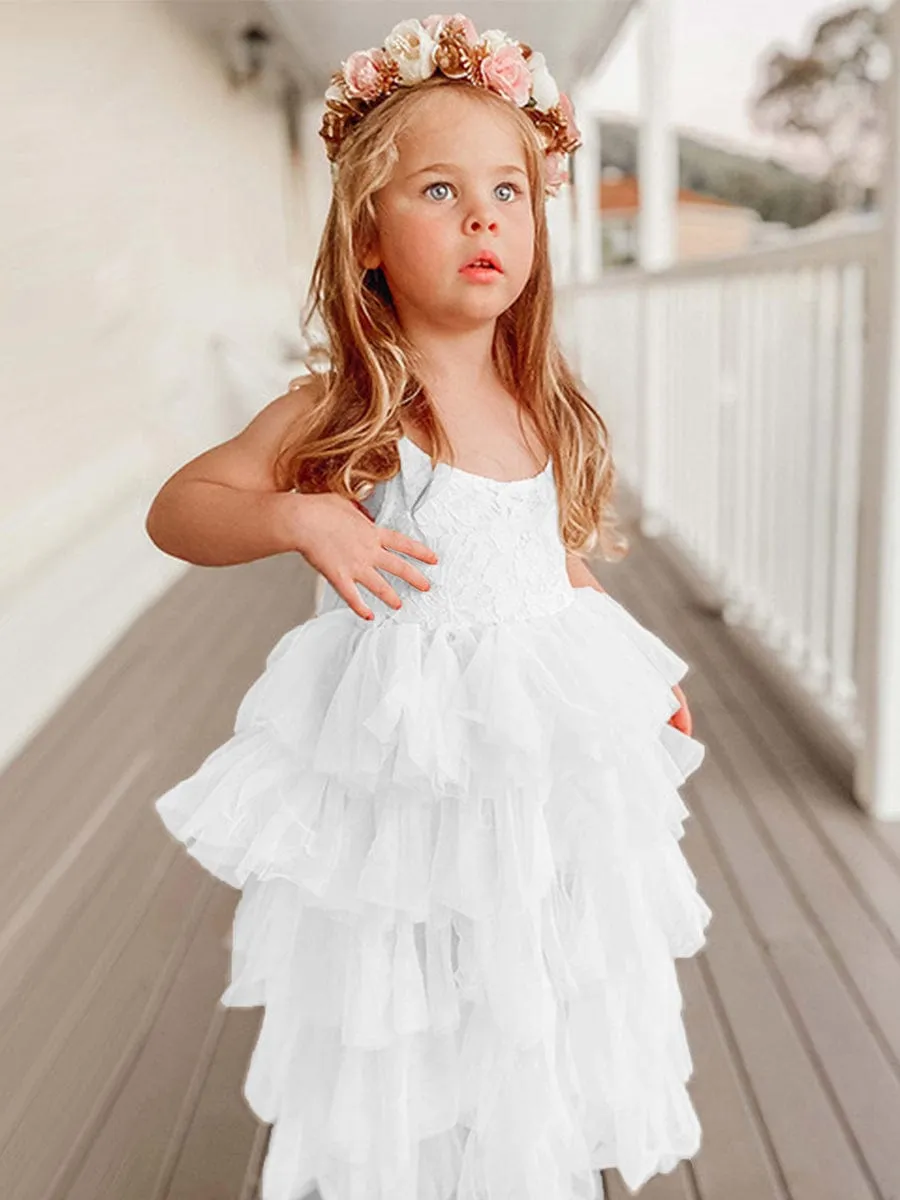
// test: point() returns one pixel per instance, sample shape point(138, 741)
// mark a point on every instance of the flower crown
point(449, 45)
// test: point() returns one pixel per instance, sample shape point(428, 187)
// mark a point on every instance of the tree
point(830, 100)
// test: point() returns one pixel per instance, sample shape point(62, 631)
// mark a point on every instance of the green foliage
point(773, 190)
point(829, 100)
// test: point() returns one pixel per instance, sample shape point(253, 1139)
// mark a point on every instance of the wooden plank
point(211, 1155)
point(129, 1154)
point(209, 716)
point(251, 1189)
point(74, 1081)
point(789, 1010)
point(93, 956)
point(93, 692)
point(178, 739)
point(848, 835)
point(142, 714)
point(813, 1148)
point(766, 894)
point(61, 795)
point(829, 1001)
point(831, 955)
point(871, 848)
point(676, 1185)
point(860, 848)
point(735, 1158)
point(46, 1004)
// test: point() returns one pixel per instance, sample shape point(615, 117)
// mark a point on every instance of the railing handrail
point(837, 250)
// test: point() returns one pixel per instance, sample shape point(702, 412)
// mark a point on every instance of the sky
point(718, 47)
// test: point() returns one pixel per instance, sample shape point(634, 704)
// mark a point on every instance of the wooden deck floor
point(122, 1077)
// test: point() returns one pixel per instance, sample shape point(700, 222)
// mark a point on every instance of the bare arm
point(580, 574)
point(222, 507)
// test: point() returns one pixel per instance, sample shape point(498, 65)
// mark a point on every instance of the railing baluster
point(733, 393)
point(844, 584)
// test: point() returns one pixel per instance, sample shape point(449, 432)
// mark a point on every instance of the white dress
point(456, 830)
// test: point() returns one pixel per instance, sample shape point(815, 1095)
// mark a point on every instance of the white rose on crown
point(411, 46)
point(495, 38)
point(543, 85)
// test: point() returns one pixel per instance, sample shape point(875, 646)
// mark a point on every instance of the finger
point(379, 586)
point(681, 720)
point(346, 588)
point(405, 570)
point(392, 539)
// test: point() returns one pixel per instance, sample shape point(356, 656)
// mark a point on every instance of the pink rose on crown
point(436, 22)
point(568, 112)
point(432, 25)
point(506, 71)
point(362, 77)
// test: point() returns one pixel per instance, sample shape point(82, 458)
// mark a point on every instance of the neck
point(457, 367)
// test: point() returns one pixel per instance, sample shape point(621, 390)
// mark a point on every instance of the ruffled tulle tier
point(463, 893)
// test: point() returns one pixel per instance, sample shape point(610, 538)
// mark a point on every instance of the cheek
point(415, 236)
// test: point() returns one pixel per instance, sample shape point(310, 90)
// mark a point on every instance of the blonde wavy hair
point(345, 439)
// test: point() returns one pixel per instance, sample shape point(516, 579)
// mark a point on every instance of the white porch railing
point(734, 390)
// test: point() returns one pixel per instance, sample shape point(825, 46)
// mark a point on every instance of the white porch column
point(658, 142)
point(877, 781)
point(658, 184)
point(598, 158)
point(586, 166)
point(560, 229)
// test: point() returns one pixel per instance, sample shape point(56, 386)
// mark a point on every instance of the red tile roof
point(623, 195)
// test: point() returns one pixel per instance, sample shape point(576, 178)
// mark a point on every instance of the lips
point(485, 259)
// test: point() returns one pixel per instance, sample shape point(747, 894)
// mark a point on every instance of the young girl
point(450, 800)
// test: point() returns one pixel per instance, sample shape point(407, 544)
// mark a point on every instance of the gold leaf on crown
point(455, 56)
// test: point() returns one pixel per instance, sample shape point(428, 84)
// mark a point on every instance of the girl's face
point(459, 188)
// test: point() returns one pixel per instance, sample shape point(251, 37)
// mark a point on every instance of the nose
point(479, 219)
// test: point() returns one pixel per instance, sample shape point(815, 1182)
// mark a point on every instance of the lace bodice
point(501, 557)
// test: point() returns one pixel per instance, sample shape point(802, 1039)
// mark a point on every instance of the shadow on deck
point(123, 1076)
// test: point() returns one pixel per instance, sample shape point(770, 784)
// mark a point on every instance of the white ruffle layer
point(462, 897)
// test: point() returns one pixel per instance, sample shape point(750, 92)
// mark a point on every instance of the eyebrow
point(452, 167)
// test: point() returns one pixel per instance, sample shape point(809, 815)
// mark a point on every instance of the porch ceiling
point(574, 35)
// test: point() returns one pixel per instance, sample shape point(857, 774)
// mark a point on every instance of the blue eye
point(443, 184)
point(515, 187)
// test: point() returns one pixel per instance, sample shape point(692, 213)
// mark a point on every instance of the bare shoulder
point(247, 459)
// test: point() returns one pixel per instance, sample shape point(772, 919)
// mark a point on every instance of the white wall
point(146, 255)
point(156, 244)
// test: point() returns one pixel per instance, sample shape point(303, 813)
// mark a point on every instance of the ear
point(371, 257)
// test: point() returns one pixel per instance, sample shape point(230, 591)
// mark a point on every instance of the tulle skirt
point(462, 897)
